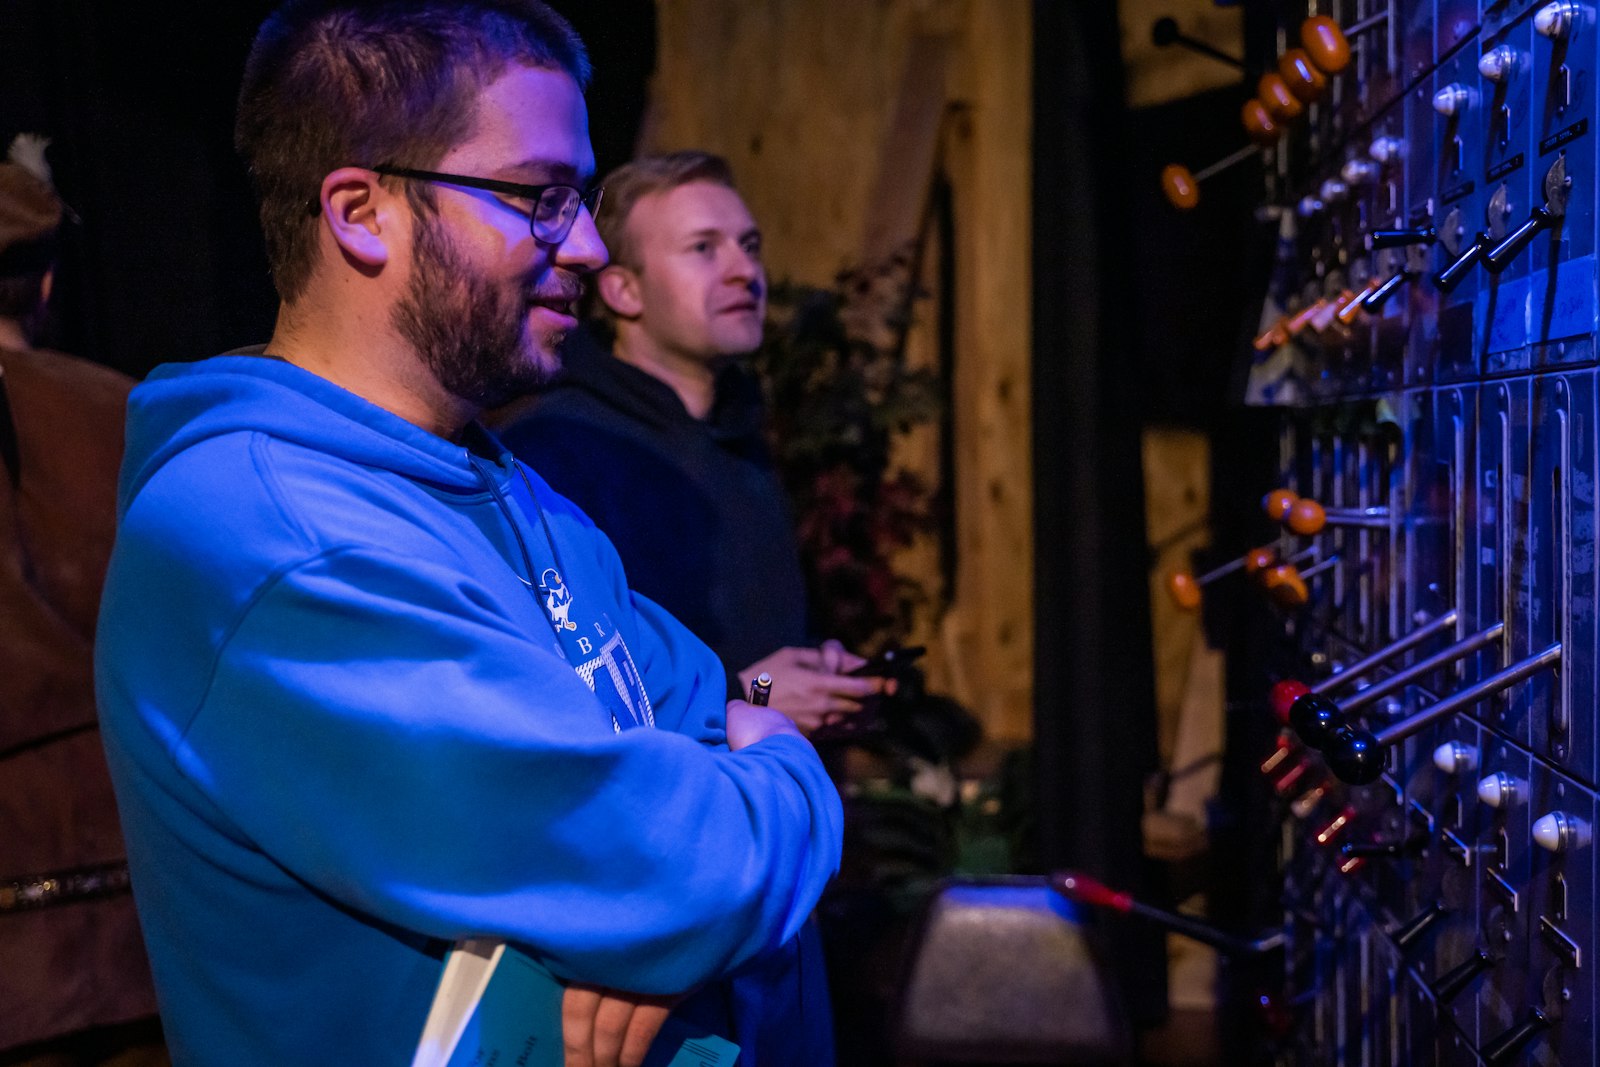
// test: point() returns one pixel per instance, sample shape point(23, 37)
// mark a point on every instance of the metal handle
point(1450, 985)
point(1374, 301)
point(1504, 1049)
point(1413, 930)
point(1456, 272)
point(1500, 256)
point(1419, 235)
point(1421, 634)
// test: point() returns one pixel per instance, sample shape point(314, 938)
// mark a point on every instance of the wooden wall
point(821, 107)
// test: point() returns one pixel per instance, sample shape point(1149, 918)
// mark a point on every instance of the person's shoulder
point(48, 374)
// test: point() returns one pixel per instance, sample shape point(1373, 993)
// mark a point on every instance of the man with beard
point(368, 685)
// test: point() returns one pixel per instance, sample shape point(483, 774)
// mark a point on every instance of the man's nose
point(583, 250)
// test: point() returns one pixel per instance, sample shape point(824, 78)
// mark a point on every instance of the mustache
point(560, 290)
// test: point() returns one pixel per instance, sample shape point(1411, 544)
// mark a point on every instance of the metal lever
point(1504, 1049)
point(1375, 300)
point(1313, 714)
point(1456, 272)
point(1286, 692)
point(1450, 985)
point(1408, 935)
point(1556, 187)
point(1165, 31)
point(1356, 756)
point(1419, 235)
point(1499, 258)
point(1081, 889)
point(1408, 846)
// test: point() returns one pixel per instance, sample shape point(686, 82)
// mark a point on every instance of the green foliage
point(839, 393)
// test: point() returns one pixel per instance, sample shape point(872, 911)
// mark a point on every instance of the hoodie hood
point(589, 367)
point(182, 404)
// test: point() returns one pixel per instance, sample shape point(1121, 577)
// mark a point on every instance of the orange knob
point(1303, 77)
point(1328, 310)
point(1325, 43)
point(1306, 517)
point(1302, 318)
point(1258, 560)
point(1277, 334)
point(1274, 92)
point(1278, 503)
point(1351, 309)
point(1285, 586)
point(1184, 590)
point(1183, 192)
point(1259, 124)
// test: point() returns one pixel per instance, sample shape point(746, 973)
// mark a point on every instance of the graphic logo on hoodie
point(557, 599)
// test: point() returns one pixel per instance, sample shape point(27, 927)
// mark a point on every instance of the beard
point(470, 332)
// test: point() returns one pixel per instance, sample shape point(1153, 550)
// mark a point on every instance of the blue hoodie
point(344, 732)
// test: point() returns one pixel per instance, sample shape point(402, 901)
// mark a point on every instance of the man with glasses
point(368, 685)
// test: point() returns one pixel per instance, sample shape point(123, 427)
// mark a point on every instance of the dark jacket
point(78, 963)
point(694, 507)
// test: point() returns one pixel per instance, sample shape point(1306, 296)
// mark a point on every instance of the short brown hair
point(642, 177)
point(335, 83)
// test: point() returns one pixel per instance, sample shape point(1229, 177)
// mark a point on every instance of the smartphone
point(888, 661)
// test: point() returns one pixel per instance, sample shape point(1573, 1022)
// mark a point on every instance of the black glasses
point(555, 207)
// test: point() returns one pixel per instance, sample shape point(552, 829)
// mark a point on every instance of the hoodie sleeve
point(391, 740)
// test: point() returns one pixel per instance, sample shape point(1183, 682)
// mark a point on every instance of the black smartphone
point(888, 661)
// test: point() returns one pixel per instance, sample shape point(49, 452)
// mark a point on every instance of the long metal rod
point(1467, 697)
point(1376, 517)
point(1421, 669)
point(1405, 644)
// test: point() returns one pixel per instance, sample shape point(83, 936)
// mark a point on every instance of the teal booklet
point(497, 1007)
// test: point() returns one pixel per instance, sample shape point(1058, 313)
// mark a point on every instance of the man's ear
point(358, 213)
point(47, 285)
point(618, 286)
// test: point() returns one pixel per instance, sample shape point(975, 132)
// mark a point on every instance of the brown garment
point(74, 965)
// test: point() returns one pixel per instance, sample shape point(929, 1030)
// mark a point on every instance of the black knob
point(1417, 235)
point(1408, 934)
point(1450, 984)
point(1375, 300)
point(1164, 31)
point(1313, 718)
point(1354, 755)
point(1505, 1048)
point(1500, 256)
point(1453, 274)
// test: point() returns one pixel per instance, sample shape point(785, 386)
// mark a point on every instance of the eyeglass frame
point(533, 193)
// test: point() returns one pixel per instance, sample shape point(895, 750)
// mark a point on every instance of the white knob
point(1386, 149)
point(1560, 832)
point(1499, 790)
point(1556, 20)
point(1359, 171)
point(1452, 99)
point(1308, 206)
point(1332, 191)
point(1453, 757)
point(1498, 64)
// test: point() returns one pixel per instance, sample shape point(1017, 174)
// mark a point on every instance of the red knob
point(1283, 695)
